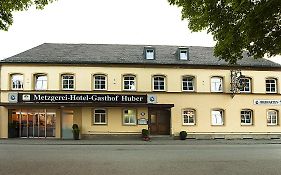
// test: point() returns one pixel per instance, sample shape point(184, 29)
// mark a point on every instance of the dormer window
point(183, 53)
point(149, 53)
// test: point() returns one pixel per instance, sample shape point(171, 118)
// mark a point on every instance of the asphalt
point(156, 141)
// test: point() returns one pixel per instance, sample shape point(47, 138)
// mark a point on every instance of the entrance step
point(161, 137)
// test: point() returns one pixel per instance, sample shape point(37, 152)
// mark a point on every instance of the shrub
point(183, 135)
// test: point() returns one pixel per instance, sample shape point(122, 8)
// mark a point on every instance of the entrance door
point(32, 123)
point(67, 122)
point(159, 121)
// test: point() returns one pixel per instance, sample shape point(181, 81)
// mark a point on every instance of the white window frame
point(216, 84)
point(132, 117)
point(149, 53)
point(102, 82)
point(100, 115)
point(247, 86)
point(217, 117)
point(187, 115)
point(183, 54)
point(17, 81)
point(155, 79)
point(43, 82)
point(185, 79)
point(133, 86)
point(247, 116)
point(65, 77)
point(271, 85)
point(269, 117)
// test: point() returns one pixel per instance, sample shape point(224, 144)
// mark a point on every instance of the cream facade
point(203, 105)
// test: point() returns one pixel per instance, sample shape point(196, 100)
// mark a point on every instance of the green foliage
point(145, 133)
point(9, 6)
point(236, 25)
point(183, 135)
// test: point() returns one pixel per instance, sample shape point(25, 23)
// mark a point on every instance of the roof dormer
point(149, 53)
point(183, 53)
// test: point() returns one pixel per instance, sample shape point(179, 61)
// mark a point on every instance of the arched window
point(129, 82)
point(100, 82)
point(67, 82)
point(217, 117)
point(216, 84)
point(271, 85)
point(188, 116)
point(99, 116)
point(159, 83)
point(40, 82)
point(246, 85)
point(246, 117)
point(272, 117)
point(188, 83)
point(17, 82)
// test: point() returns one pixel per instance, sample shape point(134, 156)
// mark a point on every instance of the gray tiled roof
point(125, 54)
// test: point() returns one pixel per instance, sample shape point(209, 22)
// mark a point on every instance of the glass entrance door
point(35, 123)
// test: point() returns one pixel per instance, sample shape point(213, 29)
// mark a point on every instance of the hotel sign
point(81, 98)
point(267, 102)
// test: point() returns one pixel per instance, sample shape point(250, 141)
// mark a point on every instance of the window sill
point(133, 124)
point(272, 124)
point(188, 124)
point(247, 124)
point(100, 124)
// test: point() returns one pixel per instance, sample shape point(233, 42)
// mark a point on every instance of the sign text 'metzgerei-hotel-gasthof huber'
point(83, 98)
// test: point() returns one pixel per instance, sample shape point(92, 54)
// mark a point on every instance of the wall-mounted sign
point(82, 98)
point(267, 102)
point(142, 121)
point(13, 97)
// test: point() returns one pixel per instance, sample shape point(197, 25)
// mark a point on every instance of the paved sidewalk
point(42, 141)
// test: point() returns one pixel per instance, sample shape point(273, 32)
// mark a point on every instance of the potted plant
point(75, 131)
point(183, 135)
point(145, 135)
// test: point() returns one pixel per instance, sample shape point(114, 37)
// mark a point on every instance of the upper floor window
point(149, 53)
point(67, 82)
point(129, 117)
point(17, 82)
point(41, 82)
point(188, 116)
point(217, 117)
point(271, 85)
point(100, 116)
point(246, 117)
point(245, 85)
point(159, 83)
point(188, 83)
point(216, 84)
point(100, 82)
point(272, 117)
point(183, 53)
point(129, 82)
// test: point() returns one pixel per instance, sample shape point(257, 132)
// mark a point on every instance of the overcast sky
point(149, 22)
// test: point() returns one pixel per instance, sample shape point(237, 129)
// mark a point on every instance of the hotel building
point(122, 89)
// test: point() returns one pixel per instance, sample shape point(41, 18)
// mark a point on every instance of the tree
point(237, 25)
point(9, 6)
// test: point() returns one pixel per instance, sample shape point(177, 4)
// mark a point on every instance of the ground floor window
point(100, 116)
point(188, 116)
point(272, 116)
point(32, 123)
point(217, 117)
point(129, 117)
point(246, 117)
